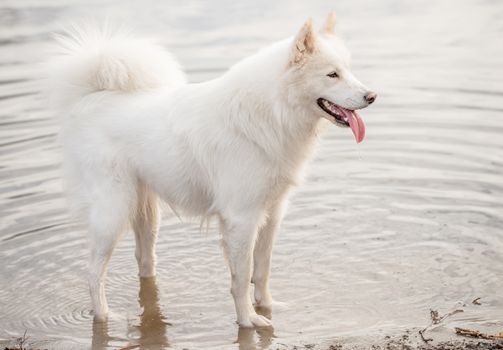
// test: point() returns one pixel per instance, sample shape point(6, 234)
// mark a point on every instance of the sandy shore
point(411, 339)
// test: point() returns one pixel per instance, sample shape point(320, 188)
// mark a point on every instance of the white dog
point(232, 148)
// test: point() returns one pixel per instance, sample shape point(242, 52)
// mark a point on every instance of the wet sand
point(379, 233)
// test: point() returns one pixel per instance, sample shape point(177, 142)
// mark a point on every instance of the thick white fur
point(230, 148)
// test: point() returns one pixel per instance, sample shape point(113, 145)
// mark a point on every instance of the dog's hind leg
point(262, 255)
point(238, 236)
point(145, 222)
point(108, 217)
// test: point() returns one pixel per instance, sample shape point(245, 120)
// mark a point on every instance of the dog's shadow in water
point(153, 325)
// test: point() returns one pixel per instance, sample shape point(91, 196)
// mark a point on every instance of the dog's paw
point(100, 317)
point(255, 321)
point(264, 304)
point(263, 299)
point(100, 313)
point(146, 270)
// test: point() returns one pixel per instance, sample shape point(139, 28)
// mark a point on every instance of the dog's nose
point(370, 97)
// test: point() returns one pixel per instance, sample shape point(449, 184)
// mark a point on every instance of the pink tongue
point(356, 124)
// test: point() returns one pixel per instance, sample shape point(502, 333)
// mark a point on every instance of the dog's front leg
point(239, 234)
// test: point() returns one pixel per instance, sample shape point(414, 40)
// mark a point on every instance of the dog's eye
point(333, 75)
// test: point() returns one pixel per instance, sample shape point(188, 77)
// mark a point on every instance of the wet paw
point(263, 300)
point(266, 305)
point(255, 321)
point(146, 270)
point(101, 316)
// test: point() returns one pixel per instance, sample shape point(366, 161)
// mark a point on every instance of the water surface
point(379, 233)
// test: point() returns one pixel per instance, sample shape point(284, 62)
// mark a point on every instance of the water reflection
point(153, 324)
point(151, 333)
point(100, 336)
point(152, 330)
point(246, 336)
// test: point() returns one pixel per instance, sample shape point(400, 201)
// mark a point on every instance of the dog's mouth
point(343, 117)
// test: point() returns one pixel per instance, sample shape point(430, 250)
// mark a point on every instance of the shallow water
point(379, 233)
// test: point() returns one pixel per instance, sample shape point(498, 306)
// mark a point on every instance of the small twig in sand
point(439, 319)
point(476, 301)
point(22, 340)
point(435, 316)
point(426, 340)
point(436, 319)
point(476, 334)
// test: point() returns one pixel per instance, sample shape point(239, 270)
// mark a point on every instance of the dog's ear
point(305, 42)
point(329, 26)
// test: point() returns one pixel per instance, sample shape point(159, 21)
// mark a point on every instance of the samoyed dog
point(134, 132)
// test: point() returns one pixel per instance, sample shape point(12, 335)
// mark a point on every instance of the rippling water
point(379, 233)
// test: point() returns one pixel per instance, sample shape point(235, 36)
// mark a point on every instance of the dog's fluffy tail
point(93, 58)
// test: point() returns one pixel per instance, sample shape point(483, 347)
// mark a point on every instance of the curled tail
point(96, 58)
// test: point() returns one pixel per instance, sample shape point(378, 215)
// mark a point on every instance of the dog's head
point(319, 76)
